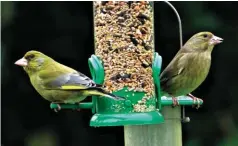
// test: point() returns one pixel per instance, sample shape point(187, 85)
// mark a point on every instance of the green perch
point(165, 101)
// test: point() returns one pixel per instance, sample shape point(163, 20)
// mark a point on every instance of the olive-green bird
point(189, 68)
point(58, 83)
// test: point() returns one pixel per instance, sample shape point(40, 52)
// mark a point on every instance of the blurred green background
point(63, 30)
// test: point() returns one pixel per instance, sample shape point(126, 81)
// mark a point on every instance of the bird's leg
point(175, 101)
point(58, 106)
point(78, 109)
point(195, 99)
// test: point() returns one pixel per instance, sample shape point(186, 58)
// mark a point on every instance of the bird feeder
point(127, 65)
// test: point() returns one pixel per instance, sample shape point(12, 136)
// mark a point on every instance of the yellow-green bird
point(189, 68)
point(58, 83)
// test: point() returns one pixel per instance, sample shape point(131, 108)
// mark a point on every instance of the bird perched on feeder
point(189, 68)
point(58, 83)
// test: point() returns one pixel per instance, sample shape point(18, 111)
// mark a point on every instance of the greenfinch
point(58, 83)
point(190, 66)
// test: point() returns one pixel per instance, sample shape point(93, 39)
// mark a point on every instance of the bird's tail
point(99, 85)
point(100, 92)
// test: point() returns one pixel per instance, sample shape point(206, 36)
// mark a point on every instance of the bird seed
point(124, 40)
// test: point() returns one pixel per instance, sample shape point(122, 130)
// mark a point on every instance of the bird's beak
point(215, 40)
point(21, 62)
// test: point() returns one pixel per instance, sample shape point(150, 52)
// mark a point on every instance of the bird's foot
point(194, 100)
point(58, 107)
point(78, 109)
point(175, 101)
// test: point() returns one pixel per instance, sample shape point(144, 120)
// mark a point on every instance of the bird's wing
point(65, 80)
point(175, 68)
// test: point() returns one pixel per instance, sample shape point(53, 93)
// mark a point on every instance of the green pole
point(167, 134)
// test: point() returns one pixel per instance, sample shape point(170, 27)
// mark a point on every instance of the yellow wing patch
point(72, 87)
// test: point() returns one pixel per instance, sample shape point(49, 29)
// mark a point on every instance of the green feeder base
point(153, 117)
point(120, 113)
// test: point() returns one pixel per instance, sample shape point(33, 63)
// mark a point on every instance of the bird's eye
point(29, 57)
point(205, 35)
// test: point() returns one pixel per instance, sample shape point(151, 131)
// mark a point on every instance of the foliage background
point(63, 30)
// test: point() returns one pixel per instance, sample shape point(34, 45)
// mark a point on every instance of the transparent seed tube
point(124, 40)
